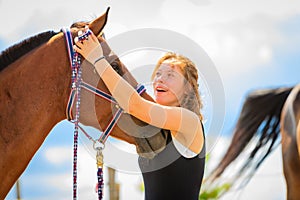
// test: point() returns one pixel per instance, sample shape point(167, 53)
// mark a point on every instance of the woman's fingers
point(94, 38)
point(79, 44)
point(77, 49)
point(89, 46)
point(76, 39)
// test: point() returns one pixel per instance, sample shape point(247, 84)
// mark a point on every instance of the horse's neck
point(35, 90)
point(132, 81)
point(132, 134)
point(33, 95)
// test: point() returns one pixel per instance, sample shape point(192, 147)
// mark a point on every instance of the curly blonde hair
point(191, 99)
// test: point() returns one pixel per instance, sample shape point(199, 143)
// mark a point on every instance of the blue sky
point(253, 45)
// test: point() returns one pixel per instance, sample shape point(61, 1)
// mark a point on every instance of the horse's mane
point(14, 52)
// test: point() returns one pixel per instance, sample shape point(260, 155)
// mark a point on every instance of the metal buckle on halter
point(98, 145)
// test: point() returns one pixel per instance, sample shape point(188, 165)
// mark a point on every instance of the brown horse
point(265, 115)
point(35, 82)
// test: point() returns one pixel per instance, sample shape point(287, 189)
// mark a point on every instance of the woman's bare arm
point(184, 124)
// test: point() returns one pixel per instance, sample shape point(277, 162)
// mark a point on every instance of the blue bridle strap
point(98, 92)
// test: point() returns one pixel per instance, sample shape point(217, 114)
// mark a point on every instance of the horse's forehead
point(76, 28)
point(112, 58)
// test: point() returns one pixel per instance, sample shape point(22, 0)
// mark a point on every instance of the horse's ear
point(98, 24)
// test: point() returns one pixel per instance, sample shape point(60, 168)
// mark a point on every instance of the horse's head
point(97, 112)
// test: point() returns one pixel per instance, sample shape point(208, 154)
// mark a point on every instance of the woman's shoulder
point(183, 150)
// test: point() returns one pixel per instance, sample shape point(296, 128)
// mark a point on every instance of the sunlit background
point(253, 44)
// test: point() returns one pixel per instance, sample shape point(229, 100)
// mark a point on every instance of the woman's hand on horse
point(89, 48)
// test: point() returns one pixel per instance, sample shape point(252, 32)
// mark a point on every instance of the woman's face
point(168, 83)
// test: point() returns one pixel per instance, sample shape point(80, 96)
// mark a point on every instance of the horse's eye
point(116, 67)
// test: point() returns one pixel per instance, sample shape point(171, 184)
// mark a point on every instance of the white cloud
point(237, 35)
point(58, 155)
point(241, 44)
point(22, 19)
point(181, 12)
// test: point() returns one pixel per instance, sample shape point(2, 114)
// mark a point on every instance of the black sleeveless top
point(169, 175)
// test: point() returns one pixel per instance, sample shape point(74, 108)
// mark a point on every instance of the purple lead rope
point(76, 80)
point(77, 83)
point(76, 89)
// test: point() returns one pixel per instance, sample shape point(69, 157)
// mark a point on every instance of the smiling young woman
point(177, 171)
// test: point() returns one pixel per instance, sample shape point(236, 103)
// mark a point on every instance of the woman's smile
point(168, 84)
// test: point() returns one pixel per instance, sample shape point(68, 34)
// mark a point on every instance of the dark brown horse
point(265, 115)
point(35, 82)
